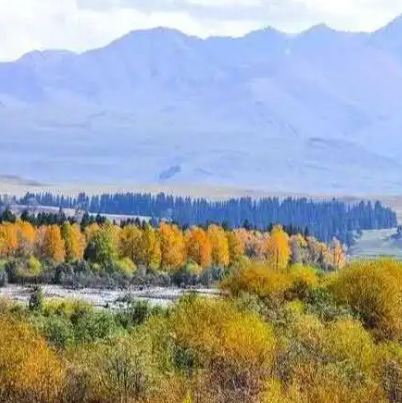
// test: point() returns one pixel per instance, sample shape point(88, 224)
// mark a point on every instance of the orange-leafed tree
point(75, 241)
point(173, 247)
point(26, 238)
point(8, 239)
point(53, 244)
point(199, 247)
point(219, 246)
point(277, 249)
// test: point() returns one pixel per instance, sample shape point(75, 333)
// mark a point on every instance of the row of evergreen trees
point(323, 219)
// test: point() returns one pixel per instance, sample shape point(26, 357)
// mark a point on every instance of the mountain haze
point(313, 112)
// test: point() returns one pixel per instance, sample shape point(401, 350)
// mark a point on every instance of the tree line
point(323, 219)
point(126, 248)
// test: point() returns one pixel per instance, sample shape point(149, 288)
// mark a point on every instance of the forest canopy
point(54, 249)
point(322, 219)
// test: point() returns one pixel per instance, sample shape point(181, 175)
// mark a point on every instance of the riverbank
point(104, 298)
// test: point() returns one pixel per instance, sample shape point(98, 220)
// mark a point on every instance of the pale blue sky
point(82, 24)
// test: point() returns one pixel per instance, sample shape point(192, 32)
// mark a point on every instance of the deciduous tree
point(150, 250)
point(236, 246)
point(130, 243)
point(8, 239)
point(173, 247)
point(53, 244)
point(219, 246)
point(75, 241)
point(277, 250)
point(199, 247)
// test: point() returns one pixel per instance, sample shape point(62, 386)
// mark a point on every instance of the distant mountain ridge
point(313, 112)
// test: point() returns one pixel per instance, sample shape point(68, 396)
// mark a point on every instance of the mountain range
point(318, 111)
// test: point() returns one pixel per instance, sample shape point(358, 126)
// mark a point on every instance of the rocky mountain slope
point(313, 112)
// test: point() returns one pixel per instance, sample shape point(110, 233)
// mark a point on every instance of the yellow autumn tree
point(53, 244)
point(91, 230)
point(26, 238)
point(30, 371)
point(235, 348)
point(277, 249)
point(372, 290)
point(150, 251)
point(173, 247)
point(8, 239)
point(236, 247)
point(199, 247)
point(130, 243)
point(75, 241)
point(219, 246)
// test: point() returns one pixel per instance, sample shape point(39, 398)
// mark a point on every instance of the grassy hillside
point(377, 243)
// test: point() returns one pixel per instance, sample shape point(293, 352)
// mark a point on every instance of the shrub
point(389, 370)
point(93, 325)
point(259, 280)
point(372, 290)
point(30, 371)
point(126, 267)
point(36, 299)
point(304, 279)
point(235, 347)
point(118, 371)
point(135, 314)
point(58, 331)
point(323, 363)
point(321, 302)
point(3, 274)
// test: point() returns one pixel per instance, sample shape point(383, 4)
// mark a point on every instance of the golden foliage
point(119, 371)
point(219, 246)
point(8, 239)
point(91, 230)
point(53, 244)
point(173, 247)
point(199, 247)
point(29, 370)
point(277, 249)
point(150, 250)
point(235, 348)
point(75, 241)
point(26, 238)
point(259, 280)
point(130, 243)
point(236, 247)
point(167, 247)
point(373, 291)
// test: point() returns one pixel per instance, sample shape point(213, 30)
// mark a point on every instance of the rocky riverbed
point(104, 298)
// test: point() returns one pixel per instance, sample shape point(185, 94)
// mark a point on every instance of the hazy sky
point(81, 24)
